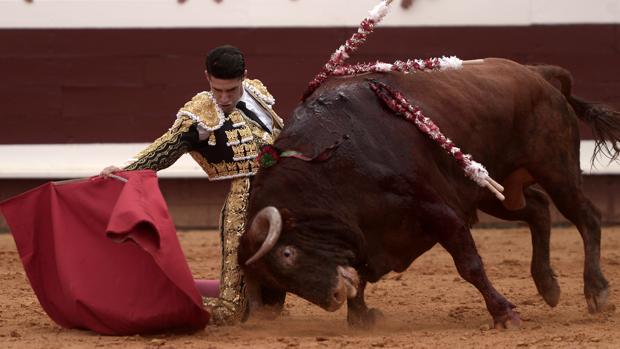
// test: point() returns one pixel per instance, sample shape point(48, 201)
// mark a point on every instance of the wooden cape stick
point(77, 180)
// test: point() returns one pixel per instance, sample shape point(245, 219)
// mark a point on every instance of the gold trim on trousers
point(230, 307)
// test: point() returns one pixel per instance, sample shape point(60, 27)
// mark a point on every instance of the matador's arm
point(165, 150)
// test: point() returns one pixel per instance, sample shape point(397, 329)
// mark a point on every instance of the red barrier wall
point(125, 85)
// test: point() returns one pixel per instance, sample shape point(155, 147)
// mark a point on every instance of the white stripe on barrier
point(79, 160)
point(297, 13)
point(84, 160)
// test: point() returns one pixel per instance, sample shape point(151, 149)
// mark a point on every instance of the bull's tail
point(604, 122)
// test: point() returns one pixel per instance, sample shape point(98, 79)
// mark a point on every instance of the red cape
point(103, 255)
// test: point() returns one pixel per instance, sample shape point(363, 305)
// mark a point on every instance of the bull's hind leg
point(572, 203)
point(536, 215)
point(555, 166)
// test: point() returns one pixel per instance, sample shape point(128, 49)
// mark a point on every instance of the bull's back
point(485, 107)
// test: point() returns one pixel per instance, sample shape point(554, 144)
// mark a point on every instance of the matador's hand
point(106, 172)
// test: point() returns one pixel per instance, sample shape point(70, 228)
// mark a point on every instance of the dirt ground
point(428, 306)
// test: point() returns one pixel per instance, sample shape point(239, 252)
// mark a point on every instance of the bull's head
point(283, 254)
point(303, 233)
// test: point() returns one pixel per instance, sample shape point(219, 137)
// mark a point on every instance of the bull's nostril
point(337, 296)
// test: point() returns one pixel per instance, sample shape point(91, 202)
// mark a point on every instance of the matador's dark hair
point(225, 62)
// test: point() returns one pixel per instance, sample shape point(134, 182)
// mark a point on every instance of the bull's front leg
point(265, 303)
point(358, 314)
point(460, 244)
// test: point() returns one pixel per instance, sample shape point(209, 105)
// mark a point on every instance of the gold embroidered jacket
point(232, 146)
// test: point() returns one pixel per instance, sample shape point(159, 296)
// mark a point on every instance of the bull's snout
point(337, 298)
point(347, 283)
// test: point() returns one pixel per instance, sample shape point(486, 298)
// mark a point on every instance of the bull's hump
point(343, 87)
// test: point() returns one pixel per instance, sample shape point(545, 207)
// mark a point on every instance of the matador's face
point(226, 92)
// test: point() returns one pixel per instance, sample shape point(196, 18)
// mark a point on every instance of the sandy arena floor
point(428, 306)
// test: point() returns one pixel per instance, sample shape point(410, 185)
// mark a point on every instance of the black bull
point(388, 193)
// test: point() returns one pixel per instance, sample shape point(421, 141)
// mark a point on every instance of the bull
point(387, 193)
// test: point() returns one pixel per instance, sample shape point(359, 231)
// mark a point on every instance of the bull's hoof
point(549, 289)
point(365, 319)
point(510, 320)
point(598, 302)
point(266, 312)
point(596, 290)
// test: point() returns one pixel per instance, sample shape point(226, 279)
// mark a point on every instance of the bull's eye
point(288, 252)
point(289, 255)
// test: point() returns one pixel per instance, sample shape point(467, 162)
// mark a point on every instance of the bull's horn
point(268, 216)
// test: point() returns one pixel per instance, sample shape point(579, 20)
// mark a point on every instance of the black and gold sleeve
point(181, 138)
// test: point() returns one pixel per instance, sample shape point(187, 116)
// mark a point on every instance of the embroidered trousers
point(230, 307)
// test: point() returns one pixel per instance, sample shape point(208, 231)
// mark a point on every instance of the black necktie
point(250, 114)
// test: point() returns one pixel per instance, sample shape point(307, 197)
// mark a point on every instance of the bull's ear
point(289, 220)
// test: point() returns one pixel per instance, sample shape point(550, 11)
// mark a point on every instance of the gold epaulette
point(204, 110)
point(259, 90)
